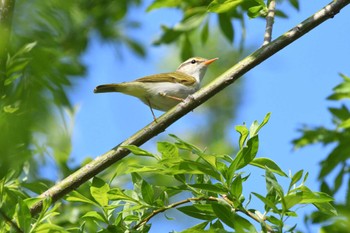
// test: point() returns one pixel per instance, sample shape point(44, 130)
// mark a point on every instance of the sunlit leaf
point(23, 216)
point(194, 212)
point(266, 201)
point(138, 151)
point(244, 132)
point(231, 219)
point(219, 6)
point(99, 189)
point(147, 192)
point(156, 4)
point(94, 215)
point(266, 162)
point(75, 196)
point(167, 149)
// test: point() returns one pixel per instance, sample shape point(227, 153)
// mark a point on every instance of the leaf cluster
point(181, 176)
point(335, 167)
point(196, 17)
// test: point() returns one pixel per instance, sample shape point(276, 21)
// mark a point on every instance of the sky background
point(292, 85)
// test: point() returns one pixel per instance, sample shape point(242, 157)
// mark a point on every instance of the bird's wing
point(175, 77)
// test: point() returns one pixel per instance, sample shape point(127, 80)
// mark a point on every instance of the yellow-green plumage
point(164, 91)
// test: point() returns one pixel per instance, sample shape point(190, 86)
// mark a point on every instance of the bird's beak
point(207, 62)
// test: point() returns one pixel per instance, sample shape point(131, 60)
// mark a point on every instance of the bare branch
point(231, 75)
point(270, 19)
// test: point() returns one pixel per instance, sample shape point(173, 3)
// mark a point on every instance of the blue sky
point(292, 85)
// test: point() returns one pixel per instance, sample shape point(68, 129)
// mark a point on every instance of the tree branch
point(231, 75)
point(194, 199)
point(270, 19)
point(6, 12)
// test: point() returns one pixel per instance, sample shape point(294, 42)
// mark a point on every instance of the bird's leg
point(150, 107)
point(171, 97)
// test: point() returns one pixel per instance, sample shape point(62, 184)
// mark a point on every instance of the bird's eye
point(193, 61)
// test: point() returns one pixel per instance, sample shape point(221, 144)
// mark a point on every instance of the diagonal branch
point(270, 19)
point(231, 75)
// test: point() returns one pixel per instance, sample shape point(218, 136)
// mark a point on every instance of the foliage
point(44, 61)
point(199, 184)
point(335, 167)
point(196, 15)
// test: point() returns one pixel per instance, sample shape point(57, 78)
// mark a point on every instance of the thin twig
point(249, 214)
point(160, 210)
point(231, 75)
point(270, 19)
point(10, 222)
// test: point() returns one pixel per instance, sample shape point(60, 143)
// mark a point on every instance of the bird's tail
point(108, 88)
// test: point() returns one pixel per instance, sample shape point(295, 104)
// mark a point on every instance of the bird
point(165, 90)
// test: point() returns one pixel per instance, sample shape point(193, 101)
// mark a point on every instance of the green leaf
point(237, 187)
point(10, 109)
point(293, 199)
point(163, 4)
point(169, 35)
point(75, 196)
point(117, 194)
point(220, 6)
point(167, 149)
point(255, 11)
point(186, 48)
point(255, 127)
point(231, 219)
point(313, 197)
point(96, 216)
point(226, 26)
point(271, 183)
point(244, 156)
point(205, 32)
point(12, 78)
point(345, 124)
point(199, 228)
point(23, 216)
point(243, 134)
point(326, 208)
point(295, 4)
point(99, 190)
point(136, 47)
point(267, 202)
point(199, 213)
point(191, 22)
point(217, 188)
point(181, 144)
point(296, 177)
point(266, 162)
point(342, 90)
point(138, 151)
point(147, 192)
point(342, 113)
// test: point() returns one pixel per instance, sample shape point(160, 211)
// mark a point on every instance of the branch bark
point(270, 19)
point(231, 75)
point(6, 12)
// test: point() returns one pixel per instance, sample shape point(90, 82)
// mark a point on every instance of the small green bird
point(164, 91)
